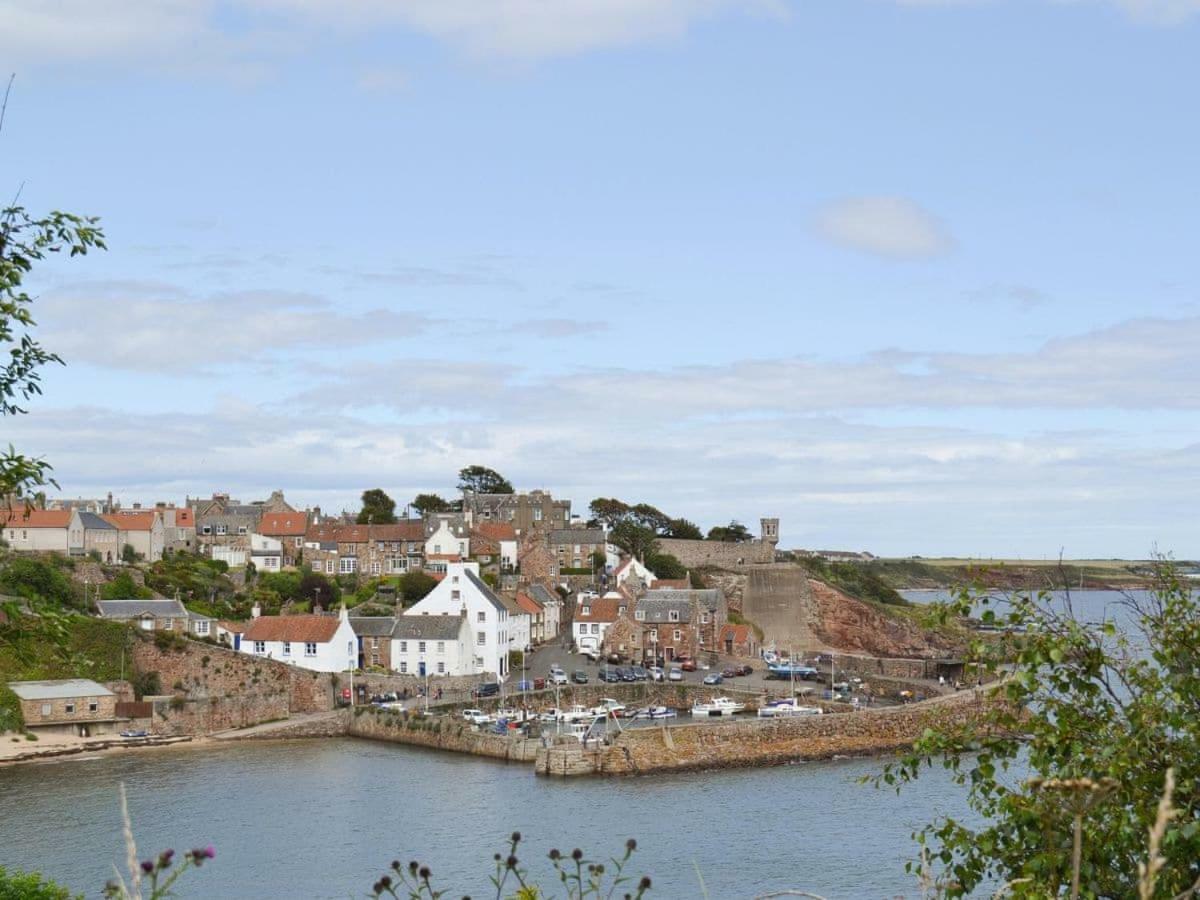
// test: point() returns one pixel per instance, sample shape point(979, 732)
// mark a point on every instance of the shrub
point(146, 684)
point(18, 885)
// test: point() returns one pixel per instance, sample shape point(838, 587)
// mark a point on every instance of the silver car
point(676, 674)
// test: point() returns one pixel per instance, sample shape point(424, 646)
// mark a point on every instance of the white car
point(476, 716)
point(558, 676)
point(656, 673)
point(676, 674)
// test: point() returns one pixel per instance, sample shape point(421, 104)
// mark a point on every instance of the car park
point(655, 673)
point(676, 674)
point(714, 678)
point(688, 665)
point(640, 673)
point(579, 676)
point(557, 677)
point(609, 675)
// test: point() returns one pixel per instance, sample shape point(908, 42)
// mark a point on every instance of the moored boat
point(780, 709)
point(718, 706)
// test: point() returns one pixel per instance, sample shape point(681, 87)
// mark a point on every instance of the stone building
point(224, 522)
point(724, 554)
point(69, 706)
point(525, 512)
point(374, 635)
point(670, 625)
point(90, 533)
point(573, 547)
point(289, 529)
point(712, 610)
point(371, 550)
point(739, 640)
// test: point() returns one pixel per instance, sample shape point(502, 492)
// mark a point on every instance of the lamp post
point(425, 669)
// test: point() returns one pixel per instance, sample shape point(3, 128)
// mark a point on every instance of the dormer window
point(673, 615)
point(640, 615)
point(620, 610)
point(587, 610)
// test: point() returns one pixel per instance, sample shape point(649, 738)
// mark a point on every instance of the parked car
point(729, 672)
point(714, 678)
point(688, 665)
point(525, 685)
point(640, 673)
point(593, 655)
point(579, 676)
point(558, 677)
point(486, 689)
point(609, 675)
point(539, 684)
point(676, 674)
point(656, 673)
point(744, 669)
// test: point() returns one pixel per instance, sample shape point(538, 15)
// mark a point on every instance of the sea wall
point(439, 733)
point(214, 688)
point(723, 554)
point(760, 742)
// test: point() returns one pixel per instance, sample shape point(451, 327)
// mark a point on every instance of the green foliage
point(697, 580)
point(664, 565)
point(128, 555)
point(146, 684)
point(40, 578)
point(201, 583)
point(683, 529)
point(1098, 716)
point(10, 711)
point(123, 587)
point(425, 504)
point(316, 588)
point(515, 659)
point(490, 579)
point(857, 580)
point(637, 540)
point(18, 885)
point(25, 240)
point(377, 508)
point(482, 480)
point(415, 585)
point(54, 645)
point(733, 533)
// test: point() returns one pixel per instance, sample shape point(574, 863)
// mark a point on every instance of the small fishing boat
point(655, 712)
point(576, 713)
point(608, 707)
point(781, 709)
point(718, 706)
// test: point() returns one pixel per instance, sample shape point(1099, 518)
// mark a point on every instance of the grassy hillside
point(1014, 574)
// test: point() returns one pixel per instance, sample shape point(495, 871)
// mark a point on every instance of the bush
point(123, 587)
point(18, 885)
point(39, 579)
point(146, 684)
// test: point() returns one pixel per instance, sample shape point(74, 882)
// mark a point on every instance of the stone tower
point(769, 531)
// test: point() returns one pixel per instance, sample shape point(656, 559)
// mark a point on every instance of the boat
point(508, 713)
point(718, 706)
point(608, 707)
point(780, 709)
point(135, 734)
point(551, 715)
point(576, 713)
point(581, 729)
point(790, 670)
point(655, 712)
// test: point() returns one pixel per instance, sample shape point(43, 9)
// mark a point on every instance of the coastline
point(63, 747)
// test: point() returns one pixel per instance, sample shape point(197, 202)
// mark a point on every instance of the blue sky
point(917, 277)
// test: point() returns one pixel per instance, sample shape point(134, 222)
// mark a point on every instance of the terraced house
point(368, 549)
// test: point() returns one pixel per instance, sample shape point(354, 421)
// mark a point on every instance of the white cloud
point(894, 227)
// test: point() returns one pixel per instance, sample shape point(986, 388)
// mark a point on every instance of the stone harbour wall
point(439, 733)
point(761, 742)
point(725, 555)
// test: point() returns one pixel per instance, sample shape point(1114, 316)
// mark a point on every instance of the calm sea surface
point(324, 818)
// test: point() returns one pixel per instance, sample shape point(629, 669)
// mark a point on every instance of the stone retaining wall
point(762, 741)
point(439, 733)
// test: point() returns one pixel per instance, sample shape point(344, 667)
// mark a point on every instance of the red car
point(688, 665)
point(729, 672)
point(539, 684)
point(743, 670)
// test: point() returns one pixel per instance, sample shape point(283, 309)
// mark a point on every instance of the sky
point(915, 276)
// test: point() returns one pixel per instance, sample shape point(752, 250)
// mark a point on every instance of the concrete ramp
point(777, 599)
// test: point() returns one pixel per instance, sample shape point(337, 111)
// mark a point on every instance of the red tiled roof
point(132, 521)
point(184, 517)
point(680, 584)
point(36, 518)
point(528, 604)
point(484, 546)
point(602, 610)
point(739, 634)
point(445, 557)
point(284, 524)
point(319, 629)
point(360, 534)
point(496, 531)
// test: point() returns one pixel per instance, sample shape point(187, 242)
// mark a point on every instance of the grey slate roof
point(577, 536)
point(64, 689)
point(657, 610)
point(427, 628)
point(93, 522)
point(132, 609)
point(709, 598)
point(543, 594)
point(373, 626)
point(487, 592)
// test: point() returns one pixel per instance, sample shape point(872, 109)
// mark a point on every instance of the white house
point(320, 643)
point(266, 553)
point(594, 615)
point(630, 569)
point(35, 529)
point(433, 645)
point(155, 615)
point(520, 625)
point(551, 605)
point(232, 557)
point(444, 546)
point(462, 588)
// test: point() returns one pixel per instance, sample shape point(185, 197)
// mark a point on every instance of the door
point(421, 669)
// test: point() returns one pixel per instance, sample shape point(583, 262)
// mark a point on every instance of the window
point(206, 529)
point(421, 647)
point(454, 579)
point(673, 615)
point(654, 634)
point(403, 667)
point(437, 548)
point(404, 646)
point(221, 529)
point(287, 648)
point(456, 595)
point(241, 529)
point(349, 648)
point(441, 668)
point(703, 618)
point(45, 709)
point(537, 515)
point(441, 646)
point(316, 565)
point(202, 627)
point(482, 617)
point(299, 542)
point(329, 567)
point(348, 565)
point(595, 629)
point(168, 624)
point(640, 615)
point(374, 643)
point(587, 610)
point(677, 635)
point(93, 706)
point(260, 646)
point(374, 658)
point(70, 707)
point(481, 637)
point(376, 568)
point(310, 648)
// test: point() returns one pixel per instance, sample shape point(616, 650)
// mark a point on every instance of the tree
point(1098, 715)
point(425, 504)
point(38, 579)
point(733, 533)
point(415, 586)
point(24, 240)
point(636, 540)
point(608, 511)
point(318, 589)
point(377, 508)
point(664, 565)
point(123, 587)
point(683, 529)
point(651, 517)
point(482, 480)
point(128, 555)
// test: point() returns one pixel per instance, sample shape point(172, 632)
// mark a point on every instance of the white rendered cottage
point(433, 645)
point(320, 643)
point(487, 615)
